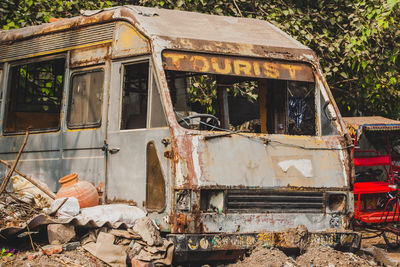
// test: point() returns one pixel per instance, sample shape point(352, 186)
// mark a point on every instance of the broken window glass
point(35, 94)
point(134, 96)
point(86, 99)
point(327, 122)
point(246, 104)
point(301, 108)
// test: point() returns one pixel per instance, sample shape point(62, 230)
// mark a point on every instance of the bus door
point(137, 137)
point(85, 124)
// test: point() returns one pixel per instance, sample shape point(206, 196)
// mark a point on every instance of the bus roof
point(173, 29)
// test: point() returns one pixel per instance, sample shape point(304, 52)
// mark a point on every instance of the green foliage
point(203, 90)
point(357, 41)
point(20, 13)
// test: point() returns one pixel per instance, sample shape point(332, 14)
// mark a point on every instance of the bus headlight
point(212, 201)
point(337, 202)
point(182, 200)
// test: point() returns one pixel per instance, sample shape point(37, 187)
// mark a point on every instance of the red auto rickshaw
point(377, 180)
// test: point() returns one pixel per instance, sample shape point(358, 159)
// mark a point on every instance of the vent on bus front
point(273, 201)
point(57, 41)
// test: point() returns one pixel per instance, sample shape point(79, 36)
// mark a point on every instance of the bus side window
point(35, 95)
point(86, 99)
point(134, 96)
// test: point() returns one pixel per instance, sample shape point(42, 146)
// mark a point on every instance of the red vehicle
point(377, 181)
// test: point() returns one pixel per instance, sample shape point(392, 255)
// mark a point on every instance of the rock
point(52, 249)
point(32, 256)
point(148, 231)
point(71, 246)
point(60, 233)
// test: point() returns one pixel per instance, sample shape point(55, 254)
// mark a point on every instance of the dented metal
point(236, 167)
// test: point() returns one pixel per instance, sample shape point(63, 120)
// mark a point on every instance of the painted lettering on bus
point(236, 66)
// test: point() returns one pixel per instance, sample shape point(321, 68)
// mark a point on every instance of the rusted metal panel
point(89, 55)
point(372, 123)
point(256, 220)
point(128, 41)
point(229, 241)
point(58, 26)
point(230, 35)
point(251, 162)
point(238, 66)
point(192, 25)
point(57, 42)
point(358, 121)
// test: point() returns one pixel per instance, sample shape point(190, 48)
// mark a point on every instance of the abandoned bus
point(222, 128)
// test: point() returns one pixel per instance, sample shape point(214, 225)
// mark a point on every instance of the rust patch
point(168, 154)
point(61, 25)
point(179, 223)
point(121, 201)
point(90, 56)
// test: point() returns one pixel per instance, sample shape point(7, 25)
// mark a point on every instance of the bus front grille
point(274, 201)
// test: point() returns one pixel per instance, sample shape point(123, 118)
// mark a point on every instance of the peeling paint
point(304, 166)
point(195, 157)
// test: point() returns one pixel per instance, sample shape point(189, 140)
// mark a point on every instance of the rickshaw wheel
point(391, 239)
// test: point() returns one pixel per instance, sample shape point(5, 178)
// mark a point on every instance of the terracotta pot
point(84, 191)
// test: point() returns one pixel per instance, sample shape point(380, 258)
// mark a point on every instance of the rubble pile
point(262, 256)
point(100, 235)
point(139, 242)
point(15, 211)
point(315, 255)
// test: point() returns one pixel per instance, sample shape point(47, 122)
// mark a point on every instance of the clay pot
point(84, 191)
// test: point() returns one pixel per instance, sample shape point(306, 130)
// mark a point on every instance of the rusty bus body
point(222, 128)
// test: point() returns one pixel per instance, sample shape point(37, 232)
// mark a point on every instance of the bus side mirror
point(327, 114)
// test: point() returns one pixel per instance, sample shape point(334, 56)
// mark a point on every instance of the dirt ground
point(77, 257)
point(314, 255)
point(380, 243)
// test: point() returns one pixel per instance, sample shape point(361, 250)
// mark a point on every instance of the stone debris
point(60, 233)
point(71, 246)
point(147, 230)
point(52, 249)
